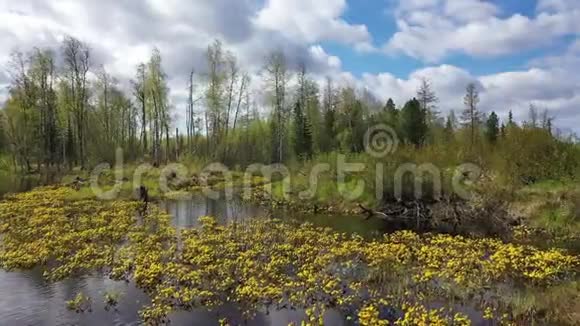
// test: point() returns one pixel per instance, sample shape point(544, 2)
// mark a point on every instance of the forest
point(507, 255)
point(63, 112)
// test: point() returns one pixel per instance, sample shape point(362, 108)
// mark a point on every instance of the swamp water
point(27, 299)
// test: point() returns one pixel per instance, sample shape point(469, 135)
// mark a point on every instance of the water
point(10, 182)
point(26, 299)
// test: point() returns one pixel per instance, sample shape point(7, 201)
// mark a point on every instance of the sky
point(517, 52)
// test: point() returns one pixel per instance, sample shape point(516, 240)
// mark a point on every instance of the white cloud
point(313, 21)
point(122, 33)
point(552, 88)
point(448, 82)
point(431, 30)
point(557, 5)
point(321, 57)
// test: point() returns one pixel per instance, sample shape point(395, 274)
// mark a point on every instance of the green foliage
point(492, 128)
point(50, 126)
point(414, 123)
point(328, 142)
point(529, 155)
point(302, 133)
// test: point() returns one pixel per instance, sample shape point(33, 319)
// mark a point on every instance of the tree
point(76, 66)
point(350, 120)
point(428, 99)
point(450, 126)
point(190, 114)
point(502, 131)
point(492, 128)
point(547, 120)
point(391, 113)
point(302, 133)
point(533, 114)
point(139, 92)
point(243, 91)
point(511, 122)
point(215, 98)
point(329, 102)
point(19, 111)
point(157, 93)
point(414, 122)
point(471, 117)
point(390, 107)
point(277, 78)
point(30, 108)
point(43, 75)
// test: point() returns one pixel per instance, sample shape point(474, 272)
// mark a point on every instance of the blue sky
point(381, 23)
point(518, 52)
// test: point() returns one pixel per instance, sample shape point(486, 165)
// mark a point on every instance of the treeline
point(63, 112)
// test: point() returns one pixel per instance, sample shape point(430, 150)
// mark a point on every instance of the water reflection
point(25, 299)
point(187, 212)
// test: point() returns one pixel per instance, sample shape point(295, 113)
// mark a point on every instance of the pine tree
point(511, 122)
point(492, 128)
point(329, 103)
point(391, 113)
point(450, 125)
point(329, 130)
point(390, 107)
point(302, 133)
point(414, 122)
point(471, 116)
point(428, 100)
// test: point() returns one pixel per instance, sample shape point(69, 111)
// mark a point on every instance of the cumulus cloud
point(557, 5)
point(448, 82)
point(552, 88)
point(122, 33)
point(312, 21)
point(431, 30)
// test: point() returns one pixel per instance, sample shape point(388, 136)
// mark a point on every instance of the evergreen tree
point(329, 103)
point(428, 100)
point(450, 125)
point(492, 128)
point(414, 122)
point(302, 133)
point(471, 116)
point(511, 122)
point(391, 113)
point(329, 130)
point(390, 107)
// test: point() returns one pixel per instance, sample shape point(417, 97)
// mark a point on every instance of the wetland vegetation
point(376, 213)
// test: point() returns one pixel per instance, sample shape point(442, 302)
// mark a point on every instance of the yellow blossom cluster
point(269, 264)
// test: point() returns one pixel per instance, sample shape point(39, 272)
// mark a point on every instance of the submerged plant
point(112, 300)
point(80, 303)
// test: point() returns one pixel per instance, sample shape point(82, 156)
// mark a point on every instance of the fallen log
point(372, 213)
